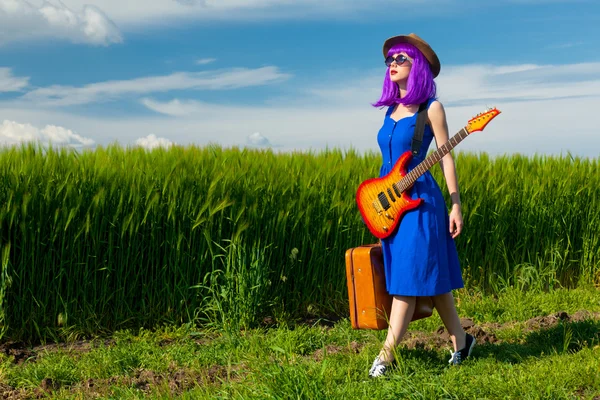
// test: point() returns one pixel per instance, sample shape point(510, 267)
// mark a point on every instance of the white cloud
point(151, 142)
point(104, 91)
point(176, 107)
point(138, 14)
point(478, 83)
point(538, 114)
point(258, 140)
point(204, 61)
point(12, 133)
point(21, 20)
point(565, 45)
point(79, 21)
point(10, 83)
point(161, 12)
point(548, 115)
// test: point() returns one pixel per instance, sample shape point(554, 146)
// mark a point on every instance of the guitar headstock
point(479, 122)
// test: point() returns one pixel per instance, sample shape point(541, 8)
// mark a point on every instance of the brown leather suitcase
point(370, 303)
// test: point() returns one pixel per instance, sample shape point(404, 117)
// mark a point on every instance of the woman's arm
point(437, 120)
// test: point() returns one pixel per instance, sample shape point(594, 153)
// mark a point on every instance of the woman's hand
point(456, 221)
point(437, 118)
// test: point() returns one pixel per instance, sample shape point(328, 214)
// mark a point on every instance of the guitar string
point(421, 168)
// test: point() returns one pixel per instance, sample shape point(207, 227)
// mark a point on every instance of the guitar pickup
point(385, 203)
point(391, 195)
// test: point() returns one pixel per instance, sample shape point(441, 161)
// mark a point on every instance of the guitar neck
point(410, 178)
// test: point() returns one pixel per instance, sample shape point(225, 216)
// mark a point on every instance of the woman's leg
point(444, 304)
point(402, 311)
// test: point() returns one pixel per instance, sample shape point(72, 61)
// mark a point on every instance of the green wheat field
point(210, 272)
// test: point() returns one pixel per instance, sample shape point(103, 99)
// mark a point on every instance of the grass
point(119, 238)
point(150, 252)
point(529, 359)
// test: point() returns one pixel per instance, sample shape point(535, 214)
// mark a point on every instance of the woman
point(420, 258)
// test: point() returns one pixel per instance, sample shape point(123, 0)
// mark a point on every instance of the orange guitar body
point(381, 222)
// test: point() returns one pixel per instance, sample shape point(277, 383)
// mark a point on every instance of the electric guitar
point(383, 201)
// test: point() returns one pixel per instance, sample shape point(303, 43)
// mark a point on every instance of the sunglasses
point(400, 59)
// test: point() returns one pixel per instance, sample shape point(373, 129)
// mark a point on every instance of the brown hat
point(434, 62)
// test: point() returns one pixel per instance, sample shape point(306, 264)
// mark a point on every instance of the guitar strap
point(419, 129)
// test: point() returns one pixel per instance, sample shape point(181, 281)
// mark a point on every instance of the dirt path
point(181, 380)
point(484, 333)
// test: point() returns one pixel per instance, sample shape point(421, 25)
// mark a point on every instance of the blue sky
point(293, 75)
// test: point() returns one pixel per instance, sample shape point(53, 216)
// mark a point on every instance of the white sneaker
point(379, 368)
point(459, 356)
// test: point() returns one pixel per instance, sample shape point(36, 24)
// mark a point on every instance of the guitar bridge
point(377, 207)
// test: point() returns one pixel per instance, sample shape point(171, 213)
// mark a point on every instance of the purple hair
point(420, 86)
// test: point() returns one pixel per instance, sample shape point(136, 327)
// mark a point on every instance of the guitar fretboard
point(410, 178)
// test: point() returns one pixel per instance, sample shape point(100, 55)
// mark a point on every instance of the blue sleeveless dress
point(420, 258)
